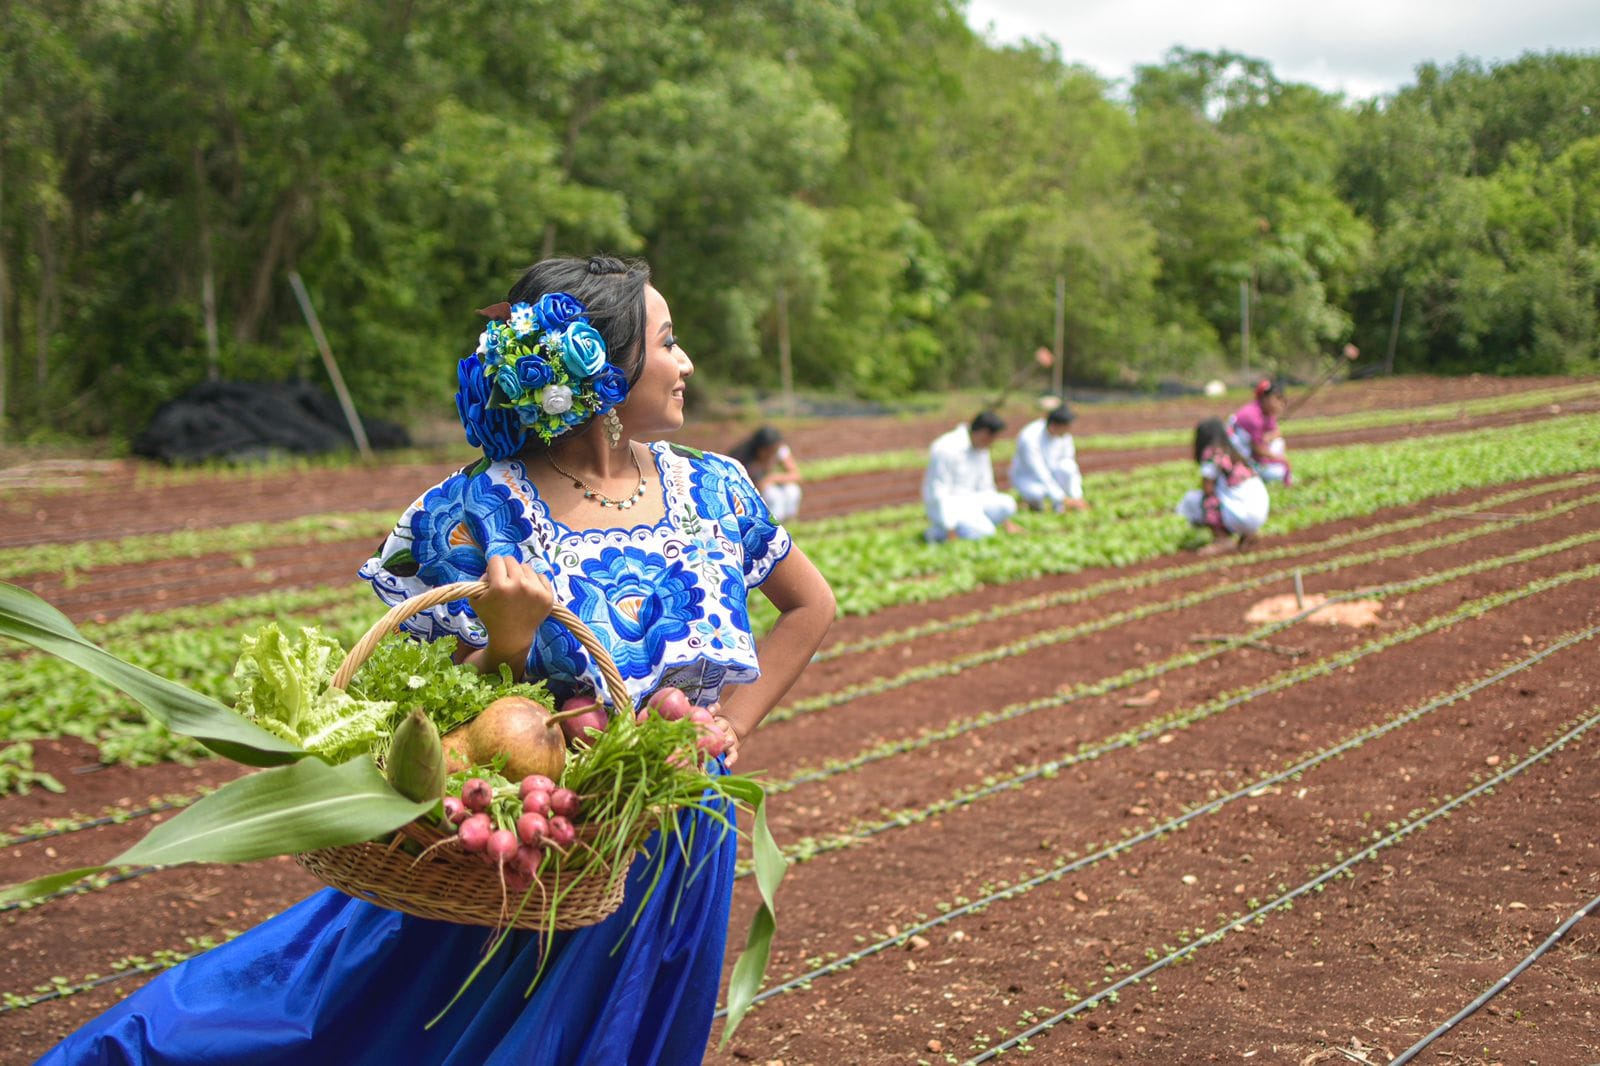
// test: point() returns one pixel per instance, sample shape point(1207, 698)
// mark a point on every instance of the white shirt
point(955, 470)
point(1046, 466)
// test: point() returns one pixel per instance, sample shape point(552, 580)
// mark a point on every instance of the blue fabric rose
point(610, 386)
point(583, 350)
point(534, 372)
point(556, 310)
point(496, 430)
point(509, 383)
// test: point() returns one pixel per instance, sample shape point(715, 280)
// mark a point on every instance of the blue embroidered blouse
point(667, 600)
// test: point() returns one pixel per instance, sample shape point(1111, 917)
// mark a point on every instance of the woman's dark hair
point(986, 422)
point(1060, 414)
point(1267, 387)
point(612, 292)
point(756, 443)
point(1211, 433)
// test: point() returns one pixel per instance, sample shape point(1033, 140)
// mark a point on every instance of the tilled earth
point(1077, 728)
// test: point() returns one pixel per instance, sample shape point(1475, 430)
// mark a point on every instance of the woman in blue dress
point(655, 547)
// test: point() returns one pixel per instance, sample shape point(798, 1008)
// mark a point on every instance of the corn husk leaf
point(26, 617)
point(751, 966)
point(280, 811)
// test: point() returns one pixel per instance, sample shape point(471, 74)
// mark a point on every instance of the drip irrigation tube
point(1499, 986)
point(1460, 693)
point(1089, 1002)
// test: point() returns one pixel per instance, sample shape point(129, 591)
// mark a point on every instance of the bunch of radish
point(673, 704)
point(512, 828)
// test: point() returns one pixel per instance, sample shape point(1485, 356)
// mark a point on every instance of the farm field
point(1054, 797)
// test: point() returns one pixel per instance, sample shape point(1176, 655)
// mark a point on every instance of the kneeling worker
point(958, 489)
point(1044, 471)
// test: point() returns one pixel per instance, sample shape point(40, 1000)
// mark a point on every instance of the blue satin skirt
point(337, 980)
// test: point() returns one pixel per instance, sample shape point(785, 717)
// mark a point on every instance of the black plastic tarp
point(234, 421)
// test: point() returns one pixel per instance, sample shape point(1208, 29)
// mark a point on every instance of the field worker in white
point(958, 490)
point(1044, 470)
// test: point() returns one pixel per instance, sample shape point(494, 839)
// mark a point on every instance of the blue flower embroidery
point(637, 603)
point(723, 493)
point(461, 523)
point(715, 635)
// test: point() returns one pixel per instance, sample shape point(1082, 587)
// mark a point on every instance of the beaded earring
point(612, 425)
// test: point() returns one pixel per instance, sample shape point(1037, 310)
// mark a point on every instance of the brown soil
point(1380, 959)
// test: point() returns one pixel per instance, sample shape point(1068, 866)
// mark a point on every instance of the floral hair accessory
point(539, 368)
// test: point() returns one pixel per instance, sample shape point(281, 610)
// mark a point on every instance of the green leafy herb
point(284, 688)
point(414, 673)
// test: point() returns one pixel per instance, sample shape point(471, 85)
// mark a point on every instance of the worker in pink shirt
point(1254, 430)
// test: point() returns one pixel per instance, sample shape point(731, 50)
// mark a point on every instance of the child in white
point(771, 465)
point(1044, 470)
point(958, 490)
point(1232, 499)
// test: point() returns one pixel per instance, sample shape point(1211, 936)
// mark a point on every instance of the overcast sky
point(1361, 48)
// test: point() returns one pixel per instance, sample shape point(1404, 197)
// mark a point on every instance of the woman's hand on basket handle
point(514, 606)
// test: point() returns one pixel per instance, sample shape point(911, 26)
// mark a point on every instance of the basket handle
point(389, 623)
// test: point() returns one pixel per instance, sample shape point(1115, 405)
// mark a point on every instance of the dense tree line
point(868, 177)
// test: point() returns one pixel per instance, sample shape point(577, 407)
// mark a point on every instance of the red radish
point(577, 727)
point(562, 834)
point(565, 802)
point(455, 812)
point(474, 833)
point(713, 743)
point(516, 883)
point(502, 845)
point(537, 782)
point(532, 828)
point(701, 716)
point(670, 703)
point(525, 863)
point(536, 802)
point(477, 794)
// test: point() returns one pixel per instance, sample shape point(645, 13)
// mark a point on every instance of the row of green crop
point(76, 560)
point(1210, 564)
point(914, 458)
point(871, 570)
point(1063, 634)
point(986, 719)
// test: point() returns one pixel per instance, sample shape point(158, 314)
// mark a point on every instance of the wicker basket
point(445, 883)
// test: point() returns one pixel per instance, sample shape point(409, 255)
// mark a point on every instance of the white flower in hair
point(521, 319)
point(555, 400)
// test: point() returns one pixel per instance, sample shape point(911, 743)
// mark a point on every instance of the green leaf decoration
point(751, 966)
point(687, 452)
point(26, 617)
point(402, 564)
point(281, 811)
